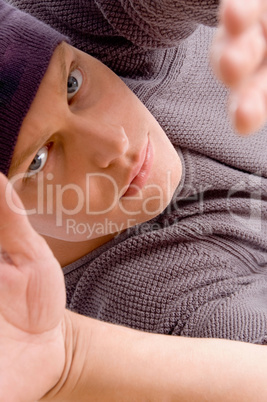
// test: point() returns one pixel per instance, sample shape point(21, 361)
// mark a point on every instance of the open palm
point(32, 302)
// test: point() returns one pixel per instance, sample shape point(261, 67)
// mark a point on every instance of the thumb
point(17, 237)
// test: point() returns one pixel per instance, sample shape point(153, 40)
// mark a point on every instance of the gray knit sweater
point(200, 268)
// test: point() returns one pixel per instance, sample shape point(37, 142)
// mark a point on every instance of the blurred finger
point(238, 15)
point(234, 59)
point(248, 103)
point(17, 236)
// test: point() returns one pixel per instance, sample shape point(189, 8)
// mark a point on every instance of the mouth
point(141, 172)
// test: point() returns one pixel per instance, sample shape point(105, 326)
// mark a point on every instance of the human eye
point(38, 161)
point(75, 81)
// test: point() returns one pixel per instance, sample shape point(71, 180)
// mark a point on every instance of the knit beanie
point(26, 47)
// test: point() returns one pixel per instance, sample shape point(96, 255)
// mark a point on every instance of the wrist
point(57, 391)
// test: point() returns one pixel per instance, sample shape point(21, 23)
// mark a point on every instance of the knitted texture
point(26, 47)
point(198, 269)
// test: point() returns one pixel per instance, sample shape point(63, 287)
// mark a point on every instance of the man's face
point(90, 158)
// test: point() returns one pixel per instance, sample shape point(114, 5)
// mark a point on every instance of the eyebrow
point(33, 148)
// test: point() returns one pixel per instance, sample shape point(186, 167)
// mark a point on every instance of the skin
point(82, 359)
point(103, 132)
point(238, 58)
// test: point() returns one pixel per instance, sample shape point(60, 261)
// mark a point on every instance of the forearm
point(112, 363)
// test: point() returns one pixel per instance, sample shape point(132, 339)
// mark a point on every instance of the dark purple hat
point(26, 47)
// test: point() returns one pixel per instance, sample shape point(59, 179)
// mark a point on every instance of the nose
point(104, 141)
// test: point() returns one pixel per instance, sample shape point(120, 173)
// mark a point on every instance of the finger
point(236, 58)
point(248, 103)
point(16, 233)
point(263, 22)
point(238, 15)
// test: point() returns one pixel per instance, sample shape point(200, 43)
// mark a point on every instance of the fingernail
point(247, 111)
point(252, 104)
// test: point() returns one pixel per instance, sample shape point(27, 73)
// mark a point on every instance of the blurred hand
point(32, 301)
point(239, 59)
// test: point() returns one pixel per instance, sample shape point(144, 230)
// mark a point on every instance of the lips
point(141, 172)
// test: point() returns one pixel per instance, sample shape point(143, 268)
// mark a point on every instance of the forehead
point(35, 127)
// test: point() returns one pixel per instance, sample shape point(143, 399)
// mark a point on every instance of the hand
point(32, 301)
point(239, 58)
point(80, 359)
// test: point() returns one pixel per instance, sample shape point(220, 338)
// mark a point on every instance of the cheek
point(93, 197)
